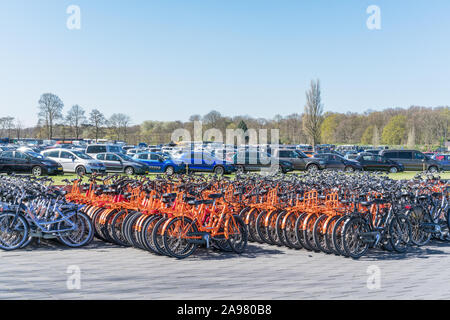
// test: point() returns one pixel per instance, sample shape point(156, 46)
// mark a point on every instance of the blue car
point(203, 162)
point(158, 163)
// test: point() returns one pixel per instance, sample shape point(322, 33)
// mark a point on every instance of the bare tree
point(50, 110)
point(75, 118)
point(19, 128)
point(313, 116)
point(195, 117)
point(119, 123)
point(97, 120)
point(212, 118)
point(6, 125)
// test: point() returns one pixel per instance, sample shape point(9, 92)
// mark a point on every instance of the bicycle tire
point(20, 230)
point(351, 238)
point(168, 239)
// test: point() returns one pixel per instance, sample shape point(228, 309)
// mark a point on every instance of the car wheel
point(129, 171)
point(313, 167)
point(349, 169)
point(36, 171)
point(219, 170)
point(81, 171)
point(432, 169)
point(169, 171)
point(240, 169)
point(393, 170)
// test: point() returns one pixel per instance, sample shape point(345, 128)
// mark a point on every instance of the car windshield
point(82, 155)
point(34, 155)
point(125, 157)
point(114, 149)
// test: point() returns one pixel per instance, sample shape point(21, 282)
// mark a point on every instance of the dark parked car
point(334, 161)
point(412, 160)
point(371, 162)
point(299, 160)
point(373, 151)
point(351, 155)
point(256, 161)
point(94, 149)
point(444, 161)
point(119, 162)
point(28, 162)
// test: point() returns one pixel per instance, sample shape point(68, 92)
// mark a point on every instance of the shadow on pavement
point(426, 252)
point(253, 251)
point(55, 245)
point(434, 248)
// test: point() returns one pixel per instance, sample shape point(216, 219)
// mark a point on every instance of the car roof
point(398, 150)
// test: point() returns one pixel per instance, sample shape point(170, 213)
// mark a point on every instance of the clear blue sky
point(167, 60)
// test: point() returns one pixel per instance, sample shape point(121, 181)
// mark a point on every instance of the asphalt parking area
point(104, 271)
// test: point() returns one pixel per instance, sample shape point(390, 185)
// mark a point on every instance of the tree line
point(76, 123)
point(414, 126)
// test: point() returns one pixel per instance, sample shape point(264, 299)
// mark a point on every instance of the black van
point(412, 160)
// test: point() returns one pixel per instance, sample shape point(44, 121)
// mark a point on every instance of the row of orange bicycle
point(332, 212)
point(165, 216)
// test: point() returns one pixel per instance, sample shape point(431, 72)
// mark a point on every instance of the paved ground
point(264, 272)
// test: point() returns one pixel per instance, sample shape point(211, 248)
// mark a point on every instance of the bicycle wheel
point(319, 234)
point(351, 237)
point(125, 226)
point(115, 228)
point(271, 229)
point(237, 233)
point(243, 213)
point(261, 228)
point(308, 231)
point(83, 233)
point(329, 235)
point(251, 226)
point(147, 233)
point(337, 235)
point(417, 216)
point(13, 231)
point(175, 239)
point(222, 244)
point(289, 231)
point(447, 217)
point(104, 227)
point(158, 237)
point(137, 232)
point(400, 233)
point(279, 230)
point(299, 230)
point(97, 232)
point(129, 228)
point(134, 230)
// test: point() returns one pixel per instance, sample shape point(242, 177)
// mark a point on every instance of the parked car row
point(100, 158)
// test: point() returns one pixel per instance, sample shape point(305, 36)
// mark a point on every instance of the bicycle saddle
point(215, 195)
point(189, 199)
point(366, 203)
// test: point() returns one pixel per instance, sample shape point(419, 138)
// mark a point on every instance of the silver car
point(75, 161)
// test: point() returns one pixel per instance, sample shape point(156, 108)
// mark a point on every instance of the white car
point(75, 161)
